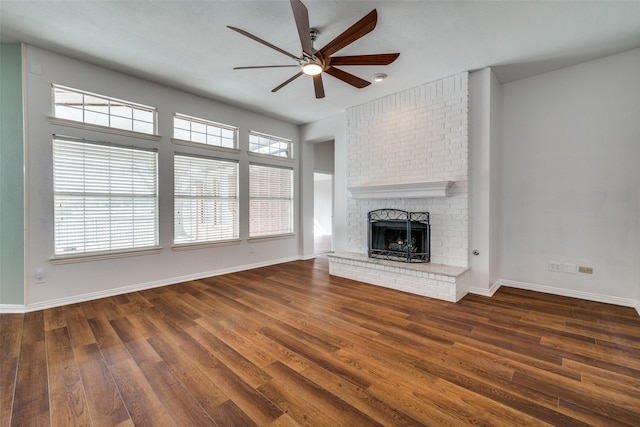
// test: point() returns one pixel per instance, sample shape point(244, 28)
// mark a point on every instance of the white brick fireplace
point(409, 151)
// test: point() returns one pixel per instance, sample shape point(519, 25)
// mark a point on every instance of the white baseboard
point(17, 308)
point(589, 296)
point(13, 308)
point(485, 292)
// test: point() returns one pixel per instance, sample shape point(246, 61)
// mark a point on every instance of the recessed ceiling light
point(378, 78)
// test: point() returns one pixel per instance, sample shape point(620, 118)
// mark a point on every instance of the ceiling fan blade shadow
point(259, 40)
point(264, 66)
point(349, 78)
point(277, 88)
point(351, 34)
point(376, 59)
point(318, 86)
point(301, 15)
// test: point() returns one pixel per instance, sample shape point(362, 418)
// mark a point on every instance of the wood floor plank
point(606, 401)
point(323, 400)
point(359, 398)
point(112, 348)
point(142, 403)
point(250, 330)
point(10, 339)
point(105, 403)
point(31, 387)
point(68, 402)
point(228, 414)
point(54, 318)
point(242, 366)
point(290, 345)
point(257, 407)
point(77, 325)
point(203, 390)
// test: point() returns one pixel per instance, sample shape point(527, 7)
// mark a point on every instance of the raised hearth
point(449, 283)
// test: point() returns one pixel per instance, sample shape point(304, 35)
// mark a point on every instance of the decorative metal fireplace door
point(399, 235)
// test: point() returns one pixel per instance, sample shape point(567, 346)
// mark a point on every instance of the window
point(206, 199)
point(204, 132)
point(92, 109)
point(269, 145)
point(270, 200)
point(105, 196)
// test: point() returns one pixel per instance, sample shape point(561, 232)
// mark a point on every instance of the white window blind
point(86, 107)
point(269, 145)
point(270, 200)
point(206, 199)
point(105, 197)
point(202, 131)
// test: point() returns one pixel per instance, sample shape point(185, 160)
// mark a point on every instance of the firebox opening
point(399, 235)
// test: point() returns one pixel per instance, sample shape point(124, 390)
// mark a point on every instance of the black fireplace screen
point(399, 235)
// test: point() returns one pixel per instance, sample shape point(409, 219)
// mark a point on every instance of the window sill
point(98, 256)
point(271, 237)
point(104, 129)
point(192, 246)
point(205, 146)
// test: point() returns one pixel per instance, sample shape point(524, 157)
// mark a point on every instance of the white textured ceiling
point(186, 44)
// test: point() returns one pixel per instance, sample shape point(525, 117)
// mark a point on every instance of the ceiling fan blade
point(277, 88)
point(259, 40)
point(347, 77)
point(264, 66)
point(318, 86)
point(379, 59)
point(301, 15)
point(351, 34)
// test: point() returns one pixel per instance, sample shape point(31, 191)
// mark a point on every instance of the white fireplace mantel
point(414, 190)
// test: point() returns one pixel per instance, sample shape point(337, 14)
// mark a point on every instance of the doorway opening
point(322, 213)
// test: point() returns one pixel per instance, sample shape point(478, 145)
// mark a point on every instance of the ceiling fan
point(316, 62)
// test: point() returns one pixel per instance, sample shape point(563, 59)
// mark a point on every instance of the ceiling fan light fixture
point(378, 78)
point(312, 68)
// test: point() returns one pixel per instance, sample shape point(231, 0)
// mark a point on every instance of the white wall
point(484, 179)
point(324, 157)
point(495, 178)
point(323, 203)
point(333, 127)
point(570, 182)
point(69, 282)
point(323, 166)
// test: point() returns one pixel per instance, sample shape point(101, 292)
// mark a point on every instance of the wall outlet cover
point(555, 266)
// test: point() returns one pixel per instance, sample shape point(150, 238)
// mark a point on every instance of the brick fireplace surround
point(409, 151)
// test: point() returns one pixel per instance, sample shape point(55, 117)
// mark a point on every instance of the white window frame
point(102, 189)
point(203, 133)
point(270, 146)
point(208, 218)
point(104, 113)
point(255, 199)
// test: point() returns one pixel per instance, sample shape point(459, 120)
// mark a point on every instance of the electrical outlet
point(586, 270)
point(251, 249)
point(555, 266)
point(39, 275)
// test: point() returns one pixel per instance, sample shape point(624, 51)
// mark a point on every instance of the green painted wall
point(11, 176)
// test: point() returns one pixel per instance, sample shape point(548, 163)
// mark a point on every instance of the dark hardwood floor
point(288, 345)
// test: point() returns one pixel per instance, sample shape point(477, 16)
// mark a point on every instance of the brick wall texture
point(417, 135)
